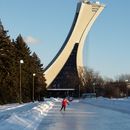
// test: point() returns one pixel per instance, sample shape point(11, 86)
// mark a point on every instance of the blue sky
point(45, 25)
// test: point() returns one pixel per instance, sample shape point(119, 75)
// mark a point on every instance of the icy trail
point(87, 114)
point(82, 116)
point(25, 116)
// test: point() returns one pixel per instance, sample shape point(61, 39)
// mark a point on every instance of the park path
point(80, 116)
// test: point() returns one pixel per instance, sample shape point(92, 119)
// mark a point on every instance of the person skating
point(65, 102)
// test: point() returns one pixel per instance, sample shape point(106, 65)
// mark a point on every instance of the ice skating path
point(80, 116)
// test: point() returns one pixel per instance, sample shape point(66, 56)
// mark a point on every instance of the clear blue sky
point(46, 23)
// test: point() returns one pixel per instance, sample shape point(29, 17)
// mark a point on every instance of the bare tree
point(89, 79)
point(123, 77)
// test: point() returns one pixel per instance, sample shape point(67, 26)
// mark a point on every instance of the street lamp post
point(93, 87)
point(79, 91)
point(20, 91)
point(126, 81)
point(33, 87)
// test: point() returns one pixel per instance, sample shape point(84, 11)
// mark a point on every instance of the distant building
point(62, 72)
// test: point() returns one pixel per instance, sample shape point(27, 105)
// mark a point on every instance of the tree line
point(11, 52)
point(92, 82)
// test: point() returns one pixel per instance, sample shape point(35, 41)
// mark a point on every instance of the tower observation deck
point(70, 57)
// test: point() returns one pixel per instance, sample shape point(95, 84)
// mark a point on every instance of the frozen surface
point(87, 114)
point(83, 116)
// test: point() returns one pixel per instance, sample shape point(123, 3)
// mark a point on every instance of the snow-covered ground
point(30, 116)
point(24, 116)
point(120, 104)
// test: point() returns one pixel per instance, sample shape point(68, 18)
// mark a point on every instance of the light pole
point(20, 97)
point(79, 91)
point(33, 87)
point(126, 81)
point(93, 87)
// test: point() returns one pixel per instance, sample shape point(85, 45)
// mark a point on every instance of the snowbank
point(26, 120)
point(122, 104)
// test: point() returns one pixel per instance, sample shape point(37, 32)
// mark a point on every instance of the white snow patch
point(25, 120)
point(121, 104)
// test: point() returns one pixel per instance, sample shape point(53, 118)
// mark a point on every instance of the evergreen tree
point(23, 53)
point(40, 85)
point(32, 64)
point(11, 52)
point(7, 54)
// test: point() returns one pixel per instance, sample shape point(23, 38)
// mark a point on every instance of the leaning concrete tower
point(70, 56)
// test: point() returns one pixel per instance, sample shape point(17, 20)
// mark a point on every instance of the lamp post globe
point(33, 87)
point(20, 83)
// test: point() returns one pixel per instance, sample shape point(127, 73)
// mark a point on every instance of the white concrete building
point(71, 53)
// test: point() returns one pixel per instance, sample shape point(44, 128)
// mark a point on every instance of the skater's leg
point(61, 108)
point(64, 108)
